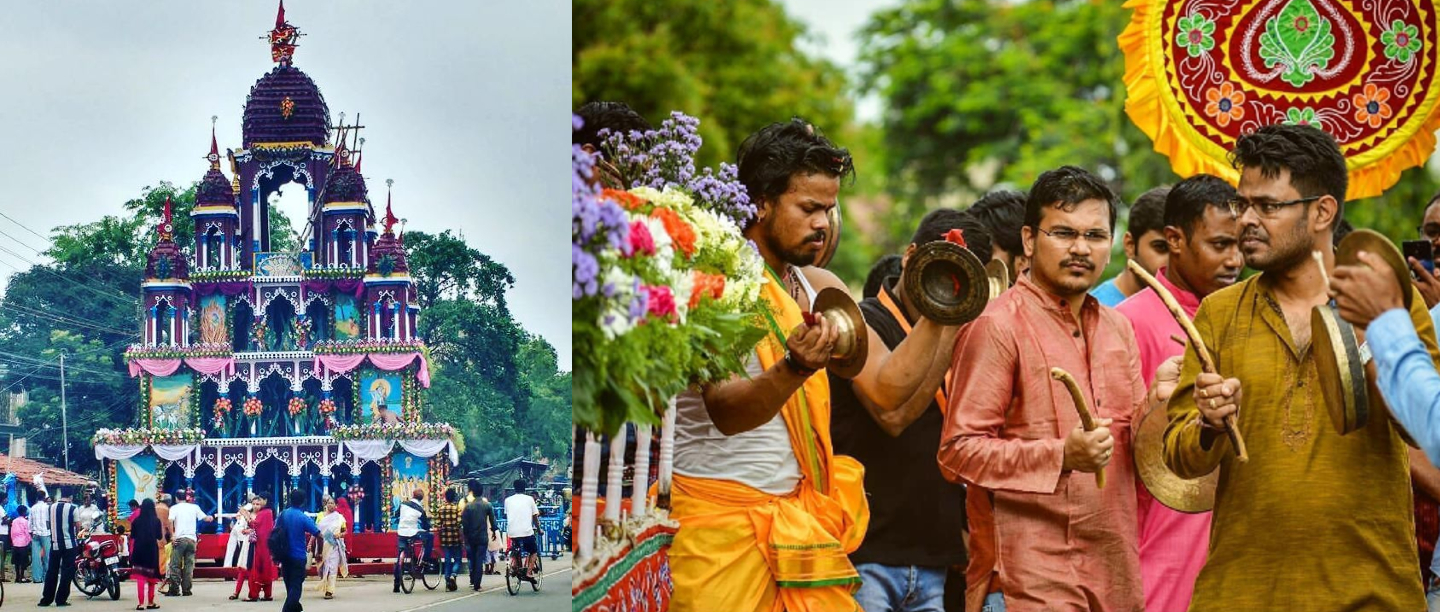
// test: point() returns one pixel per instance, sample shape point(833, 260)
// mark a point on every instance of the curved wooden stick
point(1086, 419)
point(1207, 363)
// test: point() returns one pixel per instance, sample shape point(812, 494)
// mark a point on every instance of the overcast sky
point(466, 104)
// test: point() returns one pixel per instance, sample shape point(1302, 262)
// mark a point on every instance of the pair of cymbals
point(1337, 349)
point(852, 347)
point(948, 284)
point(1190, 495)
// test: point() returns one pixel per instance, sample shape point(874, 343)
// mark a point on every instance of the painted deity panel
point(212, 320)
point(347, 318)
point(135, 479)
point(170, 401)
point(408, 474)
point(379, 389)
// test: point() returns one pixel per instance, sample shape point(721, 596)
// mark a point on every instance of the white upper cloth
point(184, 517)
point(761, 458)
point(519, 508)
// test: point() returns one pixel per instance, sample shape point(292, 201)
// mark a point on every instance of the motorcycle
point(97, 568)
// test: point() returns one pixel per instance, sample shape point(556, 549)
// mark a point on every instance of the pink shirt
point(1172, 543)
point(1046, 538)
point(20, 531)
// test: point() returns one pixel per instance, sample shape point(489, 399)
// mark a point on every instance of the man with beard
point(917, 519)
point(768, 511)
point(1203, 244)
point(1043, 536)
point(1287, 533)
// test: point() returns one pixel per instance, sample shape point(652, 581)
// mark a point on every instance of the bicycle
point(516, 572)
point(412, 566)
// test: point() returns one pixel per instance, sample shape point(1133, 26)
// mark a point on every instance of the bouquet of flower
point(297, 406)
point(327, 406)
point(222, 408)
point(665, 288)
point(137, 351)
point(253, 407)
point(259, 333)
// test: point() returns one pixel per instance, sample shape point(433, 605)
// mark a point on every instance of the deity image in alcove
point(212, 319)
point(347, 318)
point(170, 401)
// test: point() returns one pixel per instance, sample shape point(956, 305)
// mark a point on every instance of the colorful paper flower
point(1402, 42)
point(1225, 104)
point(1371, 106)
point(1195, 34)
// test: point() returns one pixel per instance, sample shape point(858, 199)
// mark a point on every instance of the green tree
point(734, 65)
point(984, 93)
point(444, 267)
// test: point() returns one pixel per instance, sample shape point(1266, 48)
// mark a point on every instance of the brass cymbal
point(946, 283)
point(999, 277)
point(1374, 242)
point(1337, 363)
point(1181, 494)
point(832, 238)
point(852, 349)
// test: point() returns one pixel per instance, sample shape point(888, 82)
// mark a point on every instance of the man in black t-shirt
point(917, 518)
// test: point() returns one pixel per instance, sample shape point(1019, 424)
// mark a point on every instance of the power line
point(50, 241)
point(55, 318)
point(123, 300)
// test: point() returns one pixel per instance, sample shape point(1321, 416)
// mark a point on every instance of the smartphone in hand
point(1422, 251)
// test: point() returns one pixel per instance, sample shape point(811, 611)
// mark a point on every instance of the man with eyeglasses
point(1043, 535)
point(1292, 525)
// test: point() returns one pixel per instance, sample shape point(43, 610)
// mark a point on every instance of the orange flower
point(625, 199)
point(1225, 104)
point(1370, 107)
point(680, 231)
point(712, 285)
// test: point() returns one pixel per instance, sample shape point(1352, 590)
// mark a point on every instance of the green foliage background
point(977, 94)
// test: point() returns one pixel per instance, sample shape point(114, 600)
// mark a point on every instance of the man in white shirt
point(411, 521)
point(522, 519)
point(40, 539)
point(184, 521)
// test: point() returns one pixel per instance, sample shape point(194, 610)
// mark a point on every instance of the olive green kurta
point(1314, 520)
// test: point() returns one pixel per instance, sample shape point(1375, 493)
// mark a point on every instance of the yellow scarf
point(749, 550)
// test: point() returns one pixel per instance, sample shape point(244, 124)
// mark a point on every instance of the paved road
point(367, 594)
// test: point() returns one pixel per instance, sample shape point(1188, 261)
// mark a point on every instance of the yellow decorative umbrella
point(1200, 73)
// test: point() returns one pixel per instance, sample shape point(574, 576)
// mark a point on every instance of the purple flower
point(586, 268)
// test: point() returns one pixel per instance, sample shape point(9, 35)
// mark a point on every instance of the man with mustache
point(768, 511)
point(1288, 534)
point(1043, 536)
point(1203, 244)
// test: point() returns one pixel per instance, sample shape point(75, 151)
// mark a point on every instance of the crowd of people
point(954, 472)
point(269, 540)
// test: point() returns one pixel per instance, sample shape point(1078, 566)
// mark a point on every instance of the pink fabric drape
point(211, 365)
point(342, 363)
point(155, 367)
point(393, 362)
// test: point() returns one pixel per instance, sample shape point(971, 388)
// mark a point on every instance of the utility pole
point(64, 421)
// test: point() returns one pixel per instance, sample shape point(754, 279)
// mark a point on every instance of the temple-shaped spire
point(214, 155)
point(390, 219)
point(282, 38)
point(167, 229)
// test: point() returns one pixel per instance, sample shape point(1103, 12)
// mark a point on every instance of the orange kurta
point(740, 549)
point(1047, 539)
